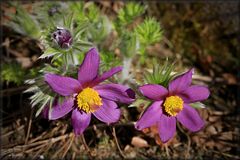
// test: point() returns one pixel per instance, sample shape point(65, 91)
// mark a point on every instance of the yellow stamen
point(88, 100)
point(173, 105)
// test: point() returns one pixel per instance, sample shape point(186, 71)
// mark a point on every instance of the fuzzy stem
point(127, 61)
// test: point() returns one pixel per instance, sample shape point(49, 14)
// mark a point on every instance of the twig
point(11, 132)
point(37, 138)
point(51, 140)
point(12, 91)
point(43, 148)
point(189, 141)
point(75, 149)
point(60, 150)
point(103, 125)
point(73, 155)
point(29, 127)
point(86, 146)
point(15, 53)
point(116, 141)
point(35, 148)
point(167, 151)
point(226, 154)
point(70, 144)
point(10, 117)
point(20, 152)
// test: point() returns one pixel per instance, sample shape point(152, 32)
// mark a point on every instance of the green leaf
point(42, 94)
point(108, 60)
point(100, 29)
point(160, 75)
point(129, 44)
point(24, 23)
point(197, 105)
point(45, 101)
point(68, 21)
point(13, 72)
point(49, 52)
point(93, 12)
point(140, 102)
point(149, 32)
point(82, 27)
point(128, 14)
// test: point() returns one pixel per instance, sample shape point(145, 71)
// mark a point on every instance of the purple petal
point(59, 110)
point(166, 127)
point(190, 118)
point(108, 112)
point(80, 121)
point(150, 117)
point(106, 75)
point(116, 92)
point(195, 93)
point(89, 67)
point(45, 112)
point(64, 86)
point(153, 91)
point(181, 83)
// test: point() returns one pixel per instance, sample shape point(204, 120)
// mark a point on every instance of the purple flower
point(86, 96)
point(62, 37)
point(172, 105)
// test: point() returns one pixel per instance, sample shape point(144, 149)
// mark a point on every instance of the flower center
point(88, 100)
point(173, 105)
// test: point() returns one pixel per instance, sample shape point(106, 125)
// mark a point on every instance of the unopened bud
point(62, 37)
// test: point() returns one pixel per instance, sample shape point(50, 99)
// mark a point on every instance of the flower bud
point(53, 10)
point(62, 37)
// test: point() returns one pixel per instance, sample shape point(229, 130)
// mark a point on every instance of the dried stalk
point(69, 145)
point(29, 127)
point(86, 146)
point(47, 141)
point(116, 141)
point(45, 149)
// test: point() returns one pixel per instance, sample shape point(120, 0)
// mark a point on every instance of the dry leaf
point(213, 118)
point(211, 130)
point(210, 144)
point(218, 126)
point(139, 142)
point(227, 136)
point(130, 153)
point(25, 62)
point(230, 78)
point(106, 4)
point(204, 113)
point(217, 113)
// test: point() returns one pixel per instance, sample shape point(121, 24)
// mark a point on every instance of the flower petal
point(150, 117)
point(106, 75)
point(89, 67)
point(195, 93)
point(108, 112)
point(181, 83)
point(166, 127)
point(59, 110)
point(64, 86)
point(190, 118)
point(116, 92)
point(80, 121)
point(153, 91)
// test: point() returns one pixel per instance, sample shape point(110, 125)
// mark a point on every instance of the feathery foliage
point(161, 74)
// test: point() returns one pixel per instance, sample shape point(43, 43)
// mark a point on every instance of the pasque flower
point(86, 96)
point(172, 105)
